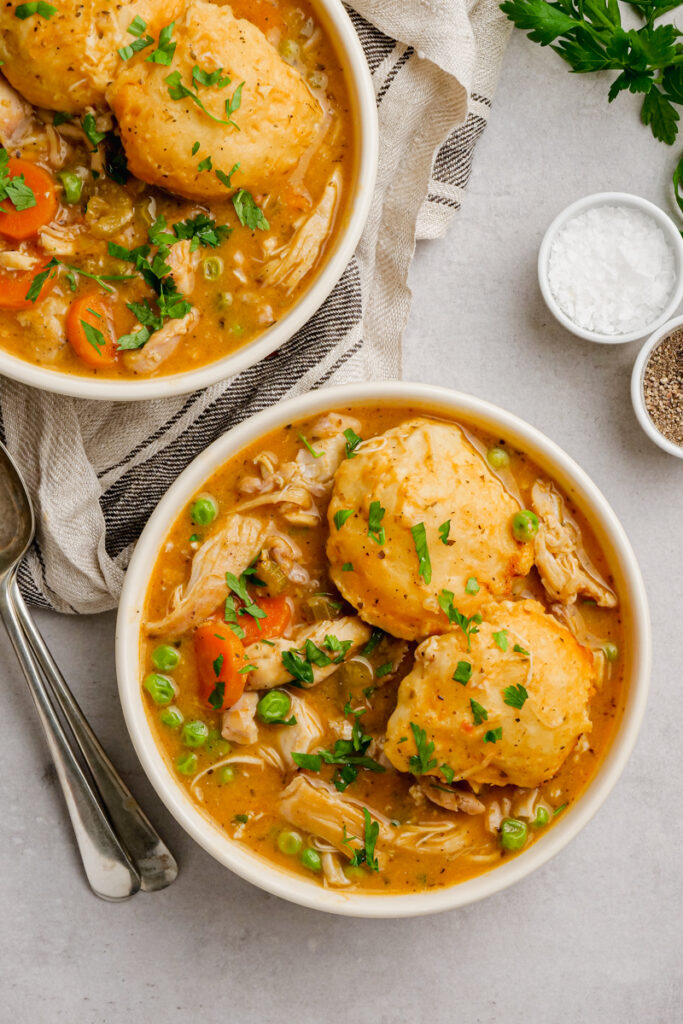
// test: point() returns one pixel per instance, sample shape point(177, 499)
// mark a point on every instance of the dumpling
point(66, 62)
point(521, 655)
point(277, 116)
point(422, 472)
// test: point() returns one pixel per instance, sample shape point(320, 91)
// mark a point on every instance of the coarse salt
point(611, 270)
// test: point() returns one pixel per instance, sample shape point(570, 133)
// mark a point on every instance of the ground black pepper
point(663, 387)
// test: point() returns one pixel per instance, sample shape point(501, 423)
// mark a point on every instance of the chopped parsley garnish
point(93, 336)
point(247, 669)
point(307, 444)
point(338, 648)
point(218, 665)
point(422, 762)
point(349, 755)
point(341, 515)
point(89, 126)
point(201, 230)
point(500, 639)
point(14, 188)
point(214, 79)
point(195, 539)
point(375, 529)
point(195, 148)
point(444, 530)
point(248, 213)
point(493, 735)
point(24, 11)
point(297, 667)
point(61, 117)
point(385, 669)
point(226, 179)
point(352, 443)
point(463, 673)
point(447, 773)
point(241, 818)
point(424, 562)
point(239, 587)
point(136, 28)
point(469, 626)
point(165, 47)
point(515, 696)
point(558, 810)
point(217, 695)
point(375, 638)
point(479, 713)
point(520, 650)
point(50, 270)
point(347, 567)
point(472, 586)
point(205, 165)
point(315, 656)
point(115, 162)
point(366, 853)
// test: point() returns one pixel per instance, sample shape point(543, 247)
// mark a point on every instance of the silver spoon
point(108, 867)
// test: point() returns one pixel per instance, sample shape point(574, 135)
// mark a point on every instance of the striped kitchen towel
point(96, 471)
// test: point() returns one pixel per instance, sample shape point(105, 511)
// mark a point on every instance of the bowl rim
point(602, 199)
point(249, 866)
point(364, 114)
point(637, 387)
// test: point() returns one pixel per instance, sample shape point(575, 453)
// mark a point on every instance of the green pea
point(227, 774)
point(172, 717)
point(72, 185)
point(289, 843)
point(216, 746)
point(525, 525)
point(204, 510)
point(186, 764)
point(195, 734)
point(498, 458)
point(611, 651)
point(273, 706)
point(542, 817)
point(159, 688)
point(311, 859)
point(165, 657)
point(513, 833)
point(212, 268)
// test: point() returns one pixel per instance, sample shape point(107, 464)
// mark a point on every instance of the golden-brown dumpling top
point(424, 472)
point(277, 116)
point(550, 674)
point(66, 62)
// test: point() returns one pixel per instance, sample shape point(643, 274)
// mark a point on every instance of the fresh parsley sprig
point(589, 36)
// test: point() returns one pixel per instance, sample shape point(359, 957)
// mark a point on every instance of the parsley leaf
point(469, 626)
point(341, 515)
point(463, 673)
point(93, 336)
point(419, 533)
point(444, 531)
point(310, 448)
point(479, 713)
point(520, 650)
point(375, 516)
point(230, 617)
point(422, 762)
point(472, 585)
point(493, 735)
point(248, 213)
point(500, 639)
point(178, 91)
point(447, 773)
point(205, 165)
point(217, 695)
point(515, 696)
point(366, 853)
point(45, 10)
point(297, 667)
point(352, 443)
point(239, 587)
point(61, 117)
point(375, 638)
point(165, 48)
point(14, 188)
point(226, 179)
point(202, 230)
point(89, 126)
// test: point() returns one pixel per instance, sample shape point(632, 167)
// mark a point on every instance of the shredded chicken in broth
point(382, 650)
point(172, 175)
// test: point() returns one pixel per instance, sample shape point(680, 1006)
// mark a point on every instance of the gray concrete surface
point(592, 937)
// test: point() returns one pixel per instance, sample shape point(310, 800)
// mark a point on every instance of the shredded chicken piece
point(230, 550)
point(452, 798)
point(58, 240)
point(183, 263)
point(303, 735)
point(564, 566)
point(295, 485)
point(16, 115)
point(161, 345)
point(239, 724)
point(46, 326)
point(316, 807)
point(451, 837)
point(267, 658)
point(304, 249)
point(14, 259)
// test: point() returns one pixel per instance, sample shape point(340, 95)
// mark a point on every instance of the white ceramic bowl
point(437, 401)
point(671, 232)
point(637, 395)
point(364, 120)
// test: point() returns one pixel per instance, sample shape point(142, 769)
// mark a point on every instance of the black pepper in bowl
point(663, 387)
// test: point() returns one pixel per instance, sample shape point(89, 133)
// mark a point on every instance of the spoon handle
point(153, 860)
point(107, 866)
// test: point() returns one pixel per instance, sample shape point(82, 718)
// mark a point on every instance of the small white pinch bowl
point(671, 233)
point(637, 388)
point(435, 401)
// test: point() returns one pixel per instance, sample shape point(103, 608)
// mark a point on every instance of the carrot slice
point(219, 656)
point(15, 284)
point(90, 331)
point(278, 614)
point(20, 224)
